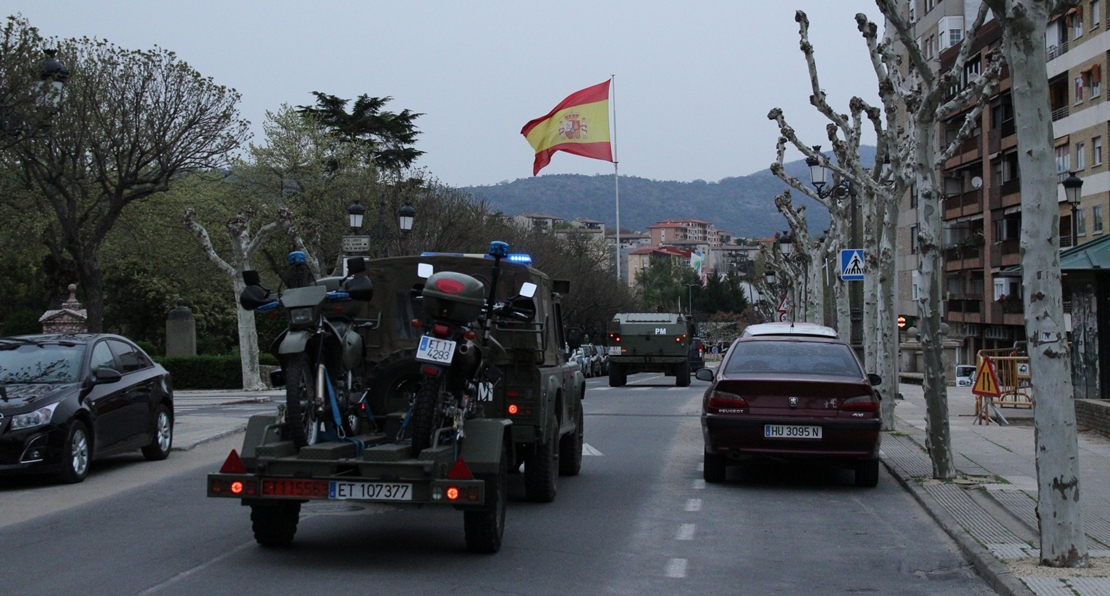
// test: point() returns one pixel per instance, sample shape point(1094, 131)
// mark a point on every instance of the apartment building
point(686, 231)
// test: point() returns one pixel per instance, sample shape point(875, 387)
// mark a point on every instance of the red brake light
point(449, 286)
point(441, 329)
point(726, 403)
point(863, 403)
point(236, 488)
point(513, 409)
point(233, 465)
point(452, 493)
point(460, 471)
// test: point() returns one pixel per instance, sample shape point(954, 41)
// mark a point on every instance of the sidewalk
point(991, 512)
point(192, 428)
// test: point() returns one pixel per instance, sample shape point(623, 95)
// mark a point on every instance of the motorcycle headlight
point(39, 417)
point(301, 316)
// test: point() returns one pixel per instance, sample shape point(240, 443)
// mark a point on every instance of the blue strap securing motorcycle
point(334, 404)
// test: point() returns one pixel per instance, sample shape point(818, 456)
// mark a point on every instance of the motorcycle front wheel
point(426, 414)
point(300, 400)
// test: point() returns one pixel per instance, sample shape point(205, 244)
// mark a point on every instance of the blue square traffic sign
point(851, 264)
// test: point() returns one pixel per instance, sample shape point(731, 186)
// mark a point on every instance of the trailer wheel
point(484, 528)
point(275, 525)
point(682, 375)
point(617, 376)
point(300, 400)
point(570, 449)
point(541, 469)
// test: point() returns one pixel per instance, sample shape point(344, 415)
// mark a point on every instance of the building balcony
point(1060, 113)
point(1059, 49)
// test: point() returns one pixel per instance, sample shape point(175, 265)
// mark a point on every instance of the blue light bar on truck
point(520, 258)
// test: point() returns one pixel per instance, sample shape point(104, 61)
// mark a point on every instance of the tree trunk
point(1062, 541)
point(886, 351)
point(248, 341)
point(938, 439)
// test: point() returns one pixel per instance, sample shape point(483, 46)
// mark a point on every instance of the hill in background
point(743, 206)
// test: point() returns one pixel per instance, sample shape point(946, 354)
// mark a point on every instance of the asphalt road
point(637, 520)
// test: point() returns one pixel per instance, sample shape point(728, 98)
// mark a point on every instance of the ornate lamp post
point(53, 75)
point(1073, 192)
point(818, 174)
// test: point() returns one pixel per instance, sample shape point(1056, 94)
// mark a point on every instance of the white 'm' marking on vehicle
point(693, 504)
point(588, 450)
point(685, 532)
point(676, 568)
point(699, 483)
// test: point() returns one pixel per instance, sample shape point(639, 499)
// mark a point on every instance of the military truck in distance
point(532, 415)
point(649, 342)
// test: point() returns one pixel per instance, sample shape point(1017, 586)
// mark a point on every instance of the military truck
point(531, 416)
point(649, 342)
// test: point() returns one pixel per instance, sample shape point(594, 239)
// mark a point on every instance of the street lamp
point(817, 173)
point(407, 214)
point(53, 75)
point(786, 247)
point(356, 212)
point(1073, 192)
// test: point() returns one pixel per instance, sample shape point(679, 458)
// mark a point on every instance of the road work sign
point(851, 264)
point(986, 380)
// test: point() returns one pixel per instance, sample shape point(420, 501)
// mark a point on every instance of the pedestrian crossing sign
point(986, 380)
point(851, 264)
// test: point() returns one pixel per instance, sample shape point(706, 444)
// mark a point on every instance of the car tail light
point(721, 402)
point(233, 465)
point(441, 329)
point(863, 403)
point(614, 337)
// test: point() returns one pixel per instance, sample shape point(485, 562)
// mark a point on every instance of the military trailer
point(649, 342)
point(531, 416)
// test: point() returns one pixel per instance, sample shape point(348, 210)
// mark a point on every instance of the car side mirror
point(704, 374)
point(253, 296)
point(107, 376)
point(875, 379)
point(359, 288)
point(574, 337)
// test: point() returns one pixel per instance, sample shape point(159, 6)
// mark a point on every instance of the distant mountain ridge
point(742, 206)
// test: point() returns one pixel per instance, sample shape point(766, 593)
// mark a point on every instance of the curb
point(996, 574)
point(215, 437)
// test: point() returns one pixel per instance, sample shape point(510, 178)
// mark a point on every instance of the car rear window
point(43, 363)
point(793, 358)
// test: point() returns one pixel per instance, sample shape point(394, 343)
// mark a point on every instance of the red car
point(791, 397)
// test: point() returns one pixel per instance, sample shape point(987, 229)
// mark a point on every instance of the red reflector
point(441, 329)
point(449, 286)
point(233, 465)
point(513, 409)
point(513, 393)
point(431, 371)
point(452, 494)
point(459, 471)
point(237, 487)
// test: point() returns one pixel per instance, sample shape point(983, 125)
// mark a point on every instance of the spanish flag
point(578, 125)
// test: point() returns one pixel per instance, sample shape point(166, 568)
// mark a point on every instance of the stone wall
point(1093, 414)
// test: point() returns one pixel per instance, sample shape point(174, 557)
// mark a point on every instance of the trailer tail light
point(452, 493)
point(237, 488)
point(513, 409)
point(233, 465)
point(863, 403)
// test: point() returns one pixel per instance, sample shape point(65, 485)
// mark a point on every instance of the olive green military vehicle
point(532, 415)
point(649, 342)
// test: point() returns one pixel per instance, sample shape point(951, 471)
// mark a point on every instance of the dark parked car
point(784, 397)
point(66, 400)
point(697, 355)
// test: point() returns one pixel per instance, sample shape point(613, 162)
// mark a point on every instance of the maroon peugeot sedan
point(791, 397)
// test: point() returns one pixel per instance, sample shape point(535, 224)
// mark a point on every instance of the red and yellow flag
point(578, 125)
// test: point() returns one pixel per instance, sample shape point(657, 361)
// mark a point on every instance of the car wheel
point(275, 525)
point(867, 473)
point(75, 454)
point(484, 528)
point(714, 467)
point(162, 438)
point(541, 470)
point(570, 449)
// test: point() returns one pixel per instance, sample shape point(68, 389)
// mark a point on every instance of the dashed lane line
point(676, 568)
point(693, 504)
point(685, 532)
point(587, 449)
point(699, 484)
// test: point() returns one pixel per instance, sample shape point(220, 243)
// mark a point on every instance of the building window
point(1096, 14)
point(913, 240)
point(913, 195)
point(1063, 159)
point(1096, 150)
point(1080, 156)
point(1079, 89)
point(1081, 222)
point(1092, 79)
point(1077, 24)
point(915, 291)
point(1096, 219)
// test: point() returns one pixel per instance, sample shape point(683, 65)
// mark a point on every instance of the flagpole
point(616, 175)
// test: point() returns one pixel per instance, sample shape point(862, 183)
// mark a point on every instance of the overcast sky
point(694, 80)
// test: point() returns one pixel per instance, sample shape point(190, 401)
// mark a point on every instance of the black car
point(66, 400)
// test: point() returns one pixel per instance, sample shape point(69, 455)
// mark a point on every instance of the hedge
point(208, 371)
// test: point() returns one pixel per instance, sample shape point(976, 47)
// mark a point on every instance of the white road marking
point(641, 388)
point(701, 467)
point(693, 504)
point(679, 388)
point(676, 568)
point(685, 532)
point(699, 483)
point(589, 450)
point(600, 388)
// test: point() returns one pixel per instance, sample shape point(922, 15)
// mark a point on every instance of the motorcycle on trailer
point(321, 350)
point(458, 356)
